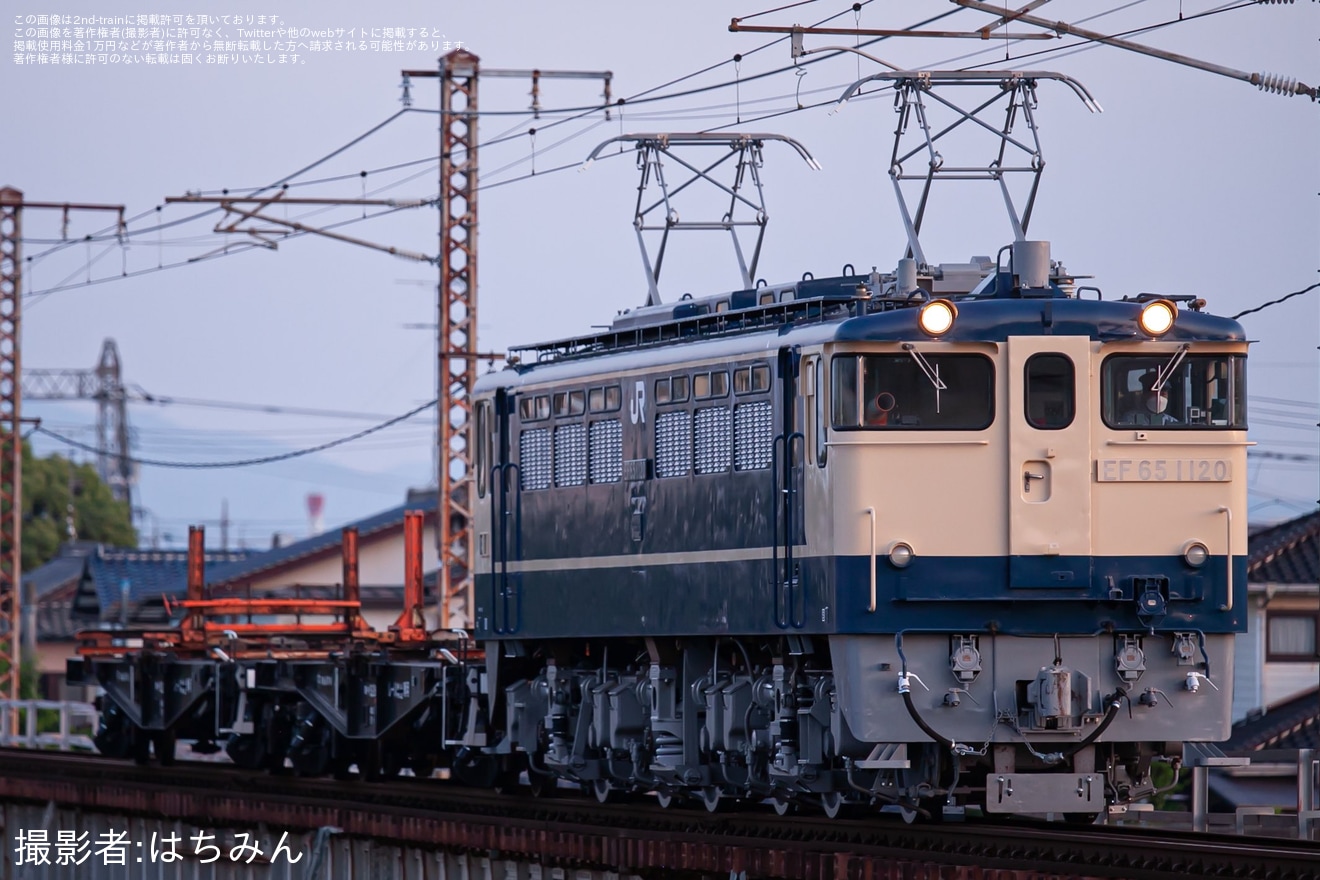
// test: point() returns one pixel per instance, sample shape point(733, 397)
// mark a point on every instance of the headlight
point(1195, 553)
point(900, 555)
point(936, 317)
point(1157, 317)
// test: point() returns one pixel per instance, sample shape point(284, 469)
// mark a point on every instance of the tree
point(50, 486)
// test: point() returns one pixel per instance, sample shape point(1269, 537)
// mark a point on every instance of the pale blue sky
point(1187, 183)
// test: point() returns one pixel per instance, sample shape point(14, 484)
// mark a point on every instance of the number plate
point(1163, 470)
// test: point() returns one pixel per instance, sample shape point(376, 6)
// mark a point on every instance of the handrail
point(1228, 606)
point(871, 512)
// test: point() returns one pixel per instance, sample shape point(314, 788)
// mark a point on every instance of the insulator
point(1279, 85)
point(1275, 2)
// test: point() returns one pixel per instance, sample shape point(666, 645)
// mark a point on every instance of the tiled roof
point(141, 576)
point(1292, 724)
point(327, 542)
point(1287, 553)
point(54, 614)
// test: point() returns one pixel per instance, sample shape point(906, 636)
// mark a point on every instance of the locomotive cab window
point(1175, 391)
point(945, 392)
point(1051, 398)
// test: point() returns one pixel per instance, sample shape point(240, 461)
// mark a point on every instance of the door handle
point(1027, 478)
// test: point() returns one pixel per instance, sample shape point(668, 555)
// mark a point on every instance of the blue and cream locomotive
point(957, 537)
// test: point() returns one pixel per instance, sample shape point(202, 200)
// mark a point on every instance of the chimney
point(315, 504)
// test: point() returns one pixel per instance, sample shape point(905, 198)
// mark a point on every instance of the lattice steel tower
point(457, 323)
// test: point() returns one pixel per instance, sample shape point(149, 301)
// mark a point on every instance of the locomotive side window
point(1051, 398)
point(1175, 391)
point(673, 389)
point(606, 459)
point(846, 413)
point(941, 392)
point(606, 399)
point(483, 446)
point(719, 384)
point(816, 376)
point(534, 408)
point(750, 380)
point(673, 444)
point(712, 440)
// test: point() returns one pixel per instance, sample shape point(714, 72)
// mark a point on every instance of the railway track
point(637, 836)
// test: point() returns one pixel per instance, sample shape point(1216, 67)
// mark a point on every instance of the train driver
point(1150, 408)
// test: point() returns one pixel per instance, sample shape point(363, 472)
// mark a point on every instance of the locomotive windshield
point(912, 391)
point(1175, 392)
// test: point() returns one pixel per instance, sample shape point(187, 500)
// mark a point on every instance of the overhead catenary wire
point(646, 96)
point(1275, 302)
point(247, 462)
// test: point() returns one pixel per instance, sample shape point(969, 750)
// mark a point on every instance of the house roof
point(54, 614)
point(233, 574)
point(1287, 553)
point(112, 575)
point(1292, 724)
point(65, 568)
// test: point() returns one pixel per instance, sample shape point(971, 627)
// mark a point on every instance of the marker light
point(900, 555)
point(1195, 553)
point(937, 316)
point(1158, 316)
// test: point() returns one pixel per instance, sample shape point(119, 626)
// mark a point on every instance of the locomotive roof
point(841, 309)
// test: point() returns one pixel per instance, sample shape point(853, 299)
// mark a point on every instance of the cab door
point(1049, 461)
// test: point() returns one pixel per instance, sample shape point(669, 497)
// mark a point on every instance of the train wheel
point(666, 799)
point(601, 790)
point(1081, 818)
point(831, 803)
point(783, 804)
point(710, 798)
point(543, 785)
point(165, 743)
point(934, 806)
point(141, 747)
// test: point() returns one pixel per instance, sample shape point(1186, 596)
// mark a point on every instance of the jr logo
point(637, 406)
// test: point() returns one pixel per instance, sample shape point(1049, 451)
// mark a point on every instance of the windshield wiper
point(1163, 374)
point(931, 374)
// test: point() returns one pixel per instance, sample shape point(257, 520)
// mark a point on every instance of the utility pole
point(11, 420)
point(456, 324)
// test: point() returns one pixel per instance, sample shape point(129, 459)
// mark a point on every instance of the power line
point(1275, 302)
point(208, 465)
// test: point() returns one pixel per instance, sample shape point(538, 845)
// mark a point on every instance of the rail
point(69, 714)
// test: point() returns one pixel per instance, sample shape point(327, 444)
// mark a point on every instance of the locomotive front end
point(1038, 566)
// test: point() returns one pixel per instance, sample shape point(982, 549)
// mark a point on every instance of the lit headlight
point(937, 316)
point(900, 555)
point(1158, 316)
point(1195, 553)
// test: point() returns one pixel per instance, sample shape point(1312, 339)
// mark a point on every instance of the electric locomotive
point(961, 536)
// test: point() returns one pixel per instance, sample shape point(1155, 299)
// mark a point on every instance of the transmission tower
point(103, 384)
